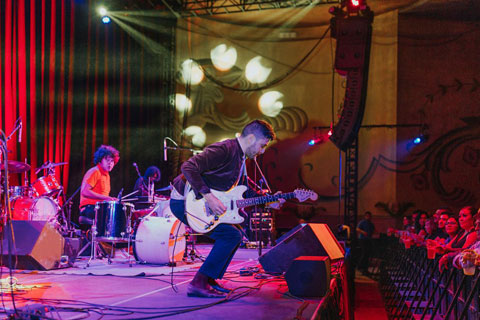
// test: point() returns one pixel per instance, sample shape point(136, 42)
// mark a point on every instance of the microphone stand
point(140, 176)
point(183, 149)
point(17, 127)
point(69, 202)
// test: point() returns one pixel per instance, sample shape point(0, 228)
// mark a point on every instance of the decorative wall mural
point(448, 165)
point(215, 103)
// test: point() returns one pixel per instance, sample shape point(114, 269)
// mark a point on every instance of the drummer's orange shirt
point(99, 179)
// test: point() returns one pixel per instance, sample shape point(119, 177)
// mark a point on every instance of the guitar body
point(202, 221)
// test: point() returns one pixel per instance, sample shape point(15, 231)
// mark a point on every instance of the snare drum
point(36, 209)
point(46, 185)
point(155, 240)
point(21, 191)
point(111, 220)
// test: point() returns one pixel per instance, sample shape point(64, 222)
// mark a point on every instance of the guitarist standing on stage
point(220, 167)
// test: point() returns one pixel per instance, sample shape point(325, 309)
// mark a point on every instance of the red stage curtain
point(77, 84)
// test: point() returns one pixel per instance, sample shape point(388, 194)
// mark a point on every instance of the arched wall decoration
point(208, 94)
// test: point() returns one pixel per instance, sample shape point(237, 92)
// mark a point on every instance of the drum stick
point(131, 199)
point(128, 195)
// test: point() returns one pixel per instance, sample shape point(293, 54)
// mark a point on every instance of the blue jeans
point(227, 239)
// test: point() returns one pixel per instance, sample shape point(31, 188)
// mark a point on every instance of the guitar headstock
point(302, 195)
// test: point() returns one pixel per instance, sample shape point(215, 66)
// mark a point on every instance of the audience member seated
point(471, 255)
point(440, 211)
point(431, 229)
point(407, 227)
point(452, 228)
point(420, 223)
point(468, 237)
point(453, 235)
point(444, 216)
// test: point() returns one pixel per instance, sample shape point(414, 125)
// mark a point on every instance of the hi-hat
point(16, 167)
point(164, 189)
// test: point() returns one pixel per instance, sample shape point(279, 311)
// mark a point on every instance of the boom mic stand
point(263, 180)
point(68, 204)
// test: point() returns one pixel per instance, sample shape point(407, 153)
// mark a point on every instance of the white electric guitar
point(202, 220)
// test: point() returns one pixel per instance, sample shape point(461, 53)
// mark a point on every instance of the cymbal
point(16, 167)
point(164, 189)
point(48, 165)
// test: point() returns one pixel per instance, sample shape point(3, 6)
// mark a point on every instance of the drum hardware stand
point(191, 253)
point(96, 246)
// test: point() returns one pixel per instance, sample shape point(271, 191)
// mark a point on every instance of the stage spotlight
point(255, 72)
point(269, 103)
point(182, 103)
point(102, 11)
point(316, 140)
point(191, 72)
point(420, 139)
point(106, 19)
point(223, 58)
point(198, 135)
point(354, 6)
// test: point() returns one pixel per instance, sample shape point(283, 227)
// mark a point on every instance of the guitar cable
point(174, 287)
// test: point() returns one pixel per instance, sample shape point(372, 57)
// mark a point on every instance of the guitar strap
point(243, 172)
point(188, 187)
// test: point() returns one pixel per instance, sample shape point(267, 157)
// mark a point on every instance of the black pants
point(227, 240)
point(365, 252)
point(88, 211)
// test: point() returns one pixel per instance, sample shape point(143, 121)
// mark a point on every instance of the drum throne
point(86, 225)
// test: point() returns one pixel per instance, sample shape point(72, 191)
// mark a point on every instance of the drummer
point(145, 185)
point(96, 182)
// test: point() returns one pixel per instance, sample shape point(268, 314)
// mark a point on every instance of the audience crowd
point(454, 238)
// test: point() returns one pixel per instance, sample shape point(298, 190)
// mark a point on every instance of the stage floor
point(118, 291)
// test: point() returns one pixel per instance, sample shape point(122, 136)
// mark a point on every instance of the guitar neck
point(242, 203)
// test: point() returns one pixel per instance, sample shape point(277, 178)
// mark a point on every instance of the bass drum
point(35, 209)
point(156, 238)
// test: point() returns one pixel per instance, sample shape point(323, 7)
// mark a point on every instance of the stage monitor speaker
point(309, 276)
point(35, 245)
point(312, 239)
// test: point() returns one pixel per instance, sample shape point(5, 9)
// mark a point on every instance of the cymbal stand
point(130, 238)
point(191, 253)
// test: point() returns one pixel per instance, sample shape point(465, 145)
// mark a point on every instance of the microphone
point(136, 168)
point(20, 132)
point(120, 194)
point(164, 149)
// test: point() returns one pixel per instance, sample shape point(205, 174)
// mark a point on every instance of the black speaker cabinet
point(35, 245)
point(308, 276)
point(312, 239)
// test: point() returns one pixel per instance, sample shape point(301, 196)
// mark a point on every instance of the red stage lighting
point(354, 6)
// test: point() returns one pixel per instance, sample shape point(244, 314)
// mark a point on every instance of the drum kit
point(157, 236)
point(39, 201)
